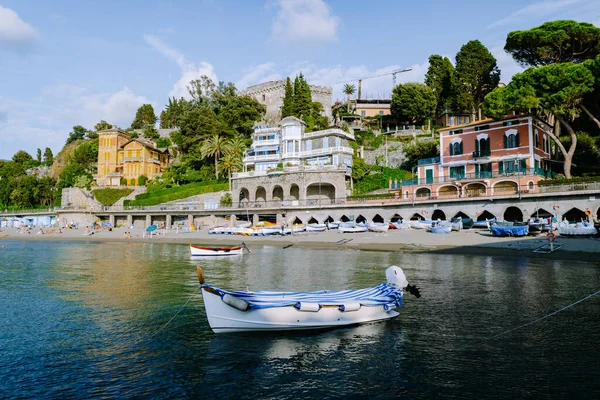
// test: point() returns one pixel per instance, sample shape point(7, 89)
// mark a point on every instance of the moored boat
point(509, 230)
point(577, 229)
point(238, 311)
point(349, 227)
point(316, 227)
point(198, 251)
point(379, 227)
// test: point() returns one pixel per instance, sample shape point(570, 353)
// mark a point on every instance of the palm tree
point(349, 90)
point(228, 163)
point(215, 146)
point(237, 146)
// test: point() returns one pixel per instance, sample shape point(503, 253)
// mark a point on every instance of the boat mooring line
point(178, 311)
point(545, 316)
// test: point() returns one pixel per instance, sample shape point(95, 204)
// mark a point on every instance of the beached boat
point(271, 230)
point(443, 227)
point(333, 225)
point(509, 230)
point(463, 223)
point(316, 227)
point(578, 229)
point(348, 227)
point(379, 227)
point(484, 223)
point(200, 251)
point(237, 311)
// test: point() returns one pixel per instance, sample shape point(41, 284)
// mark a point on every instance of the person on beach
point(87, 229)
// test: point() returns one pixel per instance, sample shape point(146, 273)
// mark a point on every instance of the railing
point(264, 157)
point(129, 159)
point(432, 160)
point(290, 169)
point(154, 160)
point(328, 150)
point(482, 153)
point(474, 176)
point(259, 143)
point(331, 131)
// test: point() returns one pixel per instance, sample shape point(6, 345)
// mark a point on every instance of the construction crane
point(393, 73)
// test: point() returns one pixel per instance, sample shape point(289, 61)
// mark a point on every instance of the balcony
point(154, 160)
point(482, 153)
point(432, 160)
point(474, 177)
point(260, 143)
point(329, 132)
point(328, 150)
point(133, 159)
point(264, 157)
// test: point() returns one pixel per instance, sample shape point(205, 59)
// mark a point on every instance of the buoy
point(588, 212)
point(556, 207)
point(551, 237)
point(200, 274)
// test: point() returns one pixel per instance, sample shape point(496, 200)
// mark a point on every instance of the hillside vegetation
point(177, 193)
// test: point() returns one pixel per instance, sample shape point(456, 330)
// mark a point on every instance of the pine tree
point(288, 100)
point(302, 98)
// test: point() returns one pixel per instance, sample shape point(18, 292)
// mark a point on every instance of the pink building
point(485, 158)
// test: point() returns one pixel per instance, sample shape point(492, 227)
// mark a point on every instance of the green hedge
point(372, 196)
point(108, 197)
point(177, 193)
point(379, 181)
point(577, 179)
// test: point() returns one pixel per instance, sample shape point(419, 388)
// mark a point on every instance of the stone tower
point(271, 95)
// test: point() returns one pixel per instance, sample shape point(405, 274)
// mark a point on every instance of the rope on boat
point(545, 316)
point(178, 311)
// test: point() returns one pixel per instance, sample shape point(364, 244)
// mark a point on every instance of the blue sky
point(66, 62)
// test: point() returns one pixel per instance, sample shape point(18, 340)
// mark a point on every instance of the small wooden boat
point(483, 223)
point(443, 227)
point(316, 227)
point(509, 230)
point(349, 227)
point(271, 230)
point(237, 311)
point(578, 229)
point(379, 227)
point(333, 225)
point(198, 251)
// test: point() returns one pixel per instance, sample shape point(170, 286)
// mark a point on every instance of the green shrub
point(108, 197)
point(177, 193)
point(380, 180)
point(142, 179)
point(226, 200)
point(123, 182)
point(560, 180)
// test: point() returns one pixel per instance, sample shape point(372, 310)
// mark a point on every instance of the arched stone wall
point(507, 187)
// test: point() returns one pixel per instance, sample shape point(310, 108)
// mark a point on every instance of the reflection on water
point(85, 319)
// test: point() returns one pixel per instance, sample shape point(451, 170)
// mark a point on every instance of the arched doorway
point(294, 192)
point(575, 215)
point(378, 218)
point(462, 215)
point(277, 193)
point(417, 217)
point(485, 215)
point(361, 220)
point(321, 193)
point(513, 214)
point(475, 189)
point(261, 194)
point(448, 191)
point(423, 192)
point(505, 188)
point(396, 218)
point(244, 197)
point(541, 213)
point(438, 214)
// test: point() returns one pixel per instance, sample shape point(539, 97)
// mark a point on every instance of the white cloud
point(46, 120)
point(304, 21)
point(259, 74)
point(540, 11)
point(189, 70)
point(14, 32)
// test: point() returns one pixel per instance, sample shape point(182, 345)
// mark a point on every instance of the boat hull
point(223, 318)
point(316, 228)
point(199, 251)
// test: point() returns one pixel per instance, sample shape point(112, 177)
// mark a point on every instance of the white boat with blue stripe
point(237, 311)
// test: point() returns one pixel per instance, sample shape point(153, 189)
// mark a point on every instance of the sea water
point(81, 320)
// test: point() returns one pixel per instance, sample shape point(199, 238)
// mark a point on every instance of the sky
point(73, 62)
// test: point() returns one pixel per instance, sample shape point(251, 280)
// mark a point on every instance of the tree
point(78, 133)
point(419, 150)
point(215, 146)
point(554, 90)
point(150, 132)
point(170, 116)
point(439, 79)
point(48, 156)
point(39, 155)
point(554, 42)
point(302, 97)
point(227, 164)
point(144, 117)
point(349, 91)
point(476, 74)
point(22, 157)
point(412, 102)
point(102, 126)
point(239, 114)
point(591, 103)
point(288, 100)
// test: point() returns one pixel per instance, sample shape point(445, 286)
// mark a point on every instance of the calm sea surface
point(80, 320)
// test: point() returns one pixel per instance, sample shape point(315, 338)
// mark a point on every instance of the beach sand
point(472, 241)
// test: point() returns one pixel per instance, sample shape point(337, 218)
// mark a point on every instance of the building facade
point(285, 163)
point(123, 160)
point(485, 158)
point(372, 108)
point(271, 95)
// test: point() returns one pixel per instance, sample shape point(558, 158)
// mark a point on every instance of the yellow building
point(122, 160)
point(372, 108)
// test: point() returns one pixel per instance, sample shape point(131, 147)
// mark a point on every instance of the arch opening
point(575, 215)
point(423, 192)
point(541, 213)
point(277, 193)
point(417, 217)
point(329, 219)
point(321, 193)
point(448, 191)
point(513, 214)
point(506, 187)
point(261, 194)
point(475, 189)
point(438, 214)
point(313, 220)
point(361, 220)
point(294, 192)
point(297, 221)
point(344, 218)
point(244, 196)
point(378, 218)
point(485, 215)
point(461, 215)
point(396, 218)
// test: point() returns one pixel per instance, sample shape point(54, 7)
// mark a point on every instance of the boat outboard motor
point(396, 278)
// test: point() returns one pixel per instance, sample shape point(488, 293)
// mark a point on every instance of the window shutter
point(477, 147)
point(505, 141)
point(451, 149)
point(517, 140)
point(501, 165)
point(487, 145)
point(460, 147)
